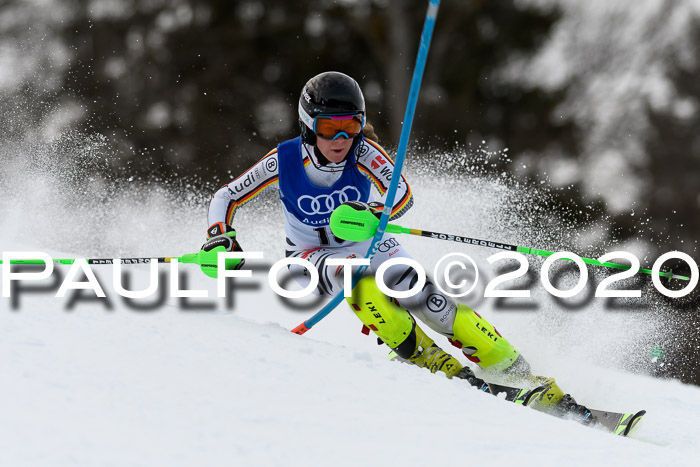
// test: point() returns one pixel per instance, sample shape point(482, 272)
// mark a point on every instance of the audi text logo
point(325, 204)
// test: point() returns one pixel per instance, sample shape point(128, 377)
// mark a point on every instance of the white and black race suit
point(310, 190)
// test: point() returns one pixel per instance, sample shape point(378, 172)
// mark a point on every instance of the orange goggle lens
point(336, 126)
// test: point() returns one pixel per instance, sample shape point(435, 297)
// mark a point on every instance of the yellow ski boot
point(397, 329)
point(548, 399)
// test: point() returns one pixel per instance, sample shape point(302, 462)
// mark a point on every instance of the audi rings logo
point(325, 204)
point(387, 245)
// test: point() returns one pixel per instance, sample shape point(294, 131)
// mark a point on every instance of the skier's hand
point(222, 237)
point(374, 207)
point(356, 221)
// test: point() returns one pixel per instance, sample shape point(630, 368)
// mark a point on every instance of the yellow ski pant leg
point(378, 312)
point(481, 342)
point(397, 329)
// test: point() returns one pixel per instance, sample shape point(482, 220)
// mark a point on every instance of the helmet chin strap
point(307, 136)
point(323, 161)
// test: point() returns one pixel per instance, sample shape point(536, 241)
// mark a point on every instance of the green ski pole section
point(39, 261)
point(595, 262)
point(357, 226)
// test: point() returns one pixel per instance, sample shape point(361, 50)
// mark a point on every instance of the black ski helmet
point(328, 93)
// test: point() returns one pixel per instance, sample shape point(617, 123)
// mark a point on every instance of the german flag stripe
point(380, 186)
point(406, 199)
point(403, 202)
point(380, 149)
point(236, 204)
point(246, 171)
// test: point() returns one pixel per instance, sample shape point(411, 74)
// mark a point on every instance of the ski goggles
point(330, 127)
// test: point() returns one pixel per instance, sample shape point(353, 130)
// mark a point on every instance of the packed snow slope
point(210, 381)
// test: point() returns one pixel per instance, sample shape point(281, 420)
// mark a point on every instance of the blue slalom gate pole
point(423, 48)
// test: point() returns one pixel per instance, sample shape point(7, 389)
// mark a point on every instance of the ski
point(518, 396)
point(618, 423)
point(552, 401)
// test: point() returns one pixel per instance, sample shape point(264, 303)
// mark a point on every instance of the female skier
point(336, 160)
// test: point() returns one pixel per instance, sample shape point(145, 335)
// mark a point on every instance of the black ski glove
point(222, 237)
point(374, 207)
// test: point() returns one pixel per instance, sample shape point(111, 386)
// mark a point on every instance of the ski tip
point(617, 422)
point(632, 422)
point(627, 422)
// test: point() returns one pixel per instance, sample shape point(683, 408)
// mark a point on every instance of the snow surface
point(207, 381)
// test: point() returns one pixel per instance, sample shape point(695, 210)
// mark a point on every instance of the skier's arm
point(376, 164)
point(250, 184)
